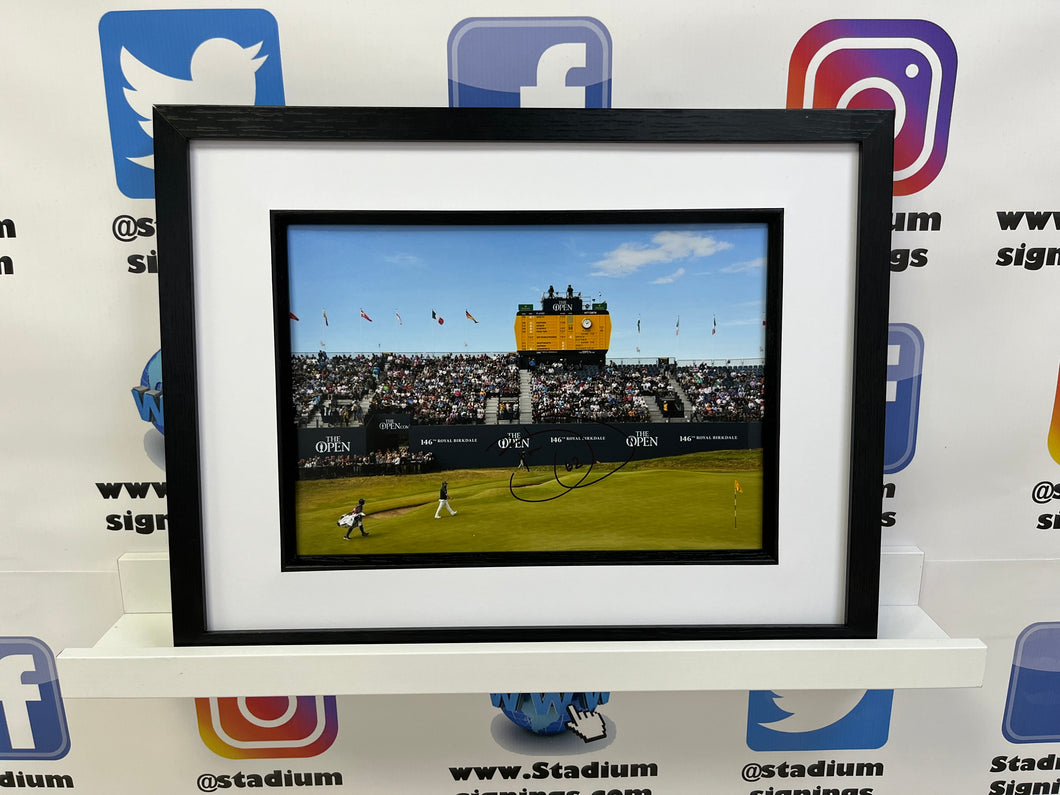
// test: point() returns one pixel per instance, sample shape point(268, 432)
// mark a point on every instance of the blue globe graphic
point(152, 379)
point(545, 713)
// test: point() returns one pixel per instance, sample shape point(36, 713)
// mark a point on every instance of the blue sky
point(656, 273)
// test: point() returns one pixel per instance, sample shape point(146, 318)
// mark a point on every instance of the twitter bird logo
point(196, 56)
point(810, 710)
point(222, 73)
point(818, 720)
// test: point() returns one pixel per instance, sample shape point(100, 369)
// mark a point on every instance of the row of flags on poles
point(364, 316)
point(677, 328)
point(441, 320)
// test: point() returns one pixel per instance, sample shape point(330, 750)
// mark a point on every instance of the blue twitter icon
point(818, 720)
point(195, 56)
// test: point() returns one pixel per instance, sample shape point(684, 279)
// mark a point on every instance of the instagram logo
point(909, 66)
point(1054, 426)
point(268, 727)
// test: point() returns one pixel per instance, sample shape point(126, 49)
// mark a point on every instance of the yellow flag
point(736, 486)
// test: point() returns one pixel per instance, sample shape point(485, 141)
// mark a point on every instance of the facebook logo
point(34, 722)
point(534, 62)
point(905, 360)
point(823, 720)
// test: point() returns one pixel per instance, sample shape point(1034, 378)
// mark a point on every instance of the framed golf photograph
point(559, 426)
point(536, 375)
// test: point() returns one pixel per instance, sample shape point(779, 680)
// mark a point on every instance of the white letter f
point(552, 90)
point(16, 696)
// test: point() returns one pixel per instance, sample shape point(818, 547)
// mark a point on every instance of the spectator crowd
point(331, 387)
point(453, 389)
point(613, 393)
point(723, 393)
point(386, 462)
point(444, 390)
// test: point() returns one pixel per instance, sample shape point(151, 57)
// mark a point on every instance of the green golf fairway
point(677, 503)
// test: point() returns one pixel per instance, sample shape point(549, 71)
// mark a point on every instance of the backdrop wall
point(973, 462)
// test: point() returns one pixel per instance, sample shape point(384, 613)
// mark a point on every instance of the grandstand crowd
point(723, 394)
point(615, 393)
point(454, 389)
point(333, 386)
point(445, 390)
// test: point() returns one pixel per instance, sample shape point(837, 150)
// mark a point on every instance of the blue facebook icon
point(34, 722)
point(536, 62)
point(905, 361)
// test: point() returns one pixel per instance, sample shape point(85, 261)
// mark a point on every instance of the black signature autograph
point(559, 465)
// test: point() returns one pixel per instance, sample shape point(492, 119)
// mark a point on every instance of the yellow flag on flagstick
point(736, 487)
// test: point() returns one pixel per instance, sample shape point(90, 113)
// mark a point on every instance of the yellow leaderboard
point(538, 332)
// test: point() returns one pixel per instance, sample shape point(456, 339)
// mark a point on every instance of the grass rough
point(684, 502)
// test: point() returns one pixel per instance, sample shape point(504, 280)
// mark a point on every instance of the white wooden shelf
point(136, 657)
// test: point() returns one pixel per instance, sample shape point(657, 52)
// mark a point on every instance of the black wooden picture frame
point(191, 332)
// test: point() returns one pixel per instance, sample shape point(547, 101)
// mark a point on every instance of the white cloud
point(677, 274)
point(745, 267)
point(667, 247)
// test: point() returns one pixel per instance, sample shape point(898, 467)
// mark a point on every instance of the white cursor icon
point(587, 725)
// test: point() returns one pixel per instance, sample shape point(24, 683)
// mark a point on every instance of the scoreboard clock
point(563, 325)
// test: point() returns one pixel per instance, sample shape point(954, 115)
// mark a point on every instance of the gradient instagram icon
point(267, 727)
point(1053, 439)
point(907, 65)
